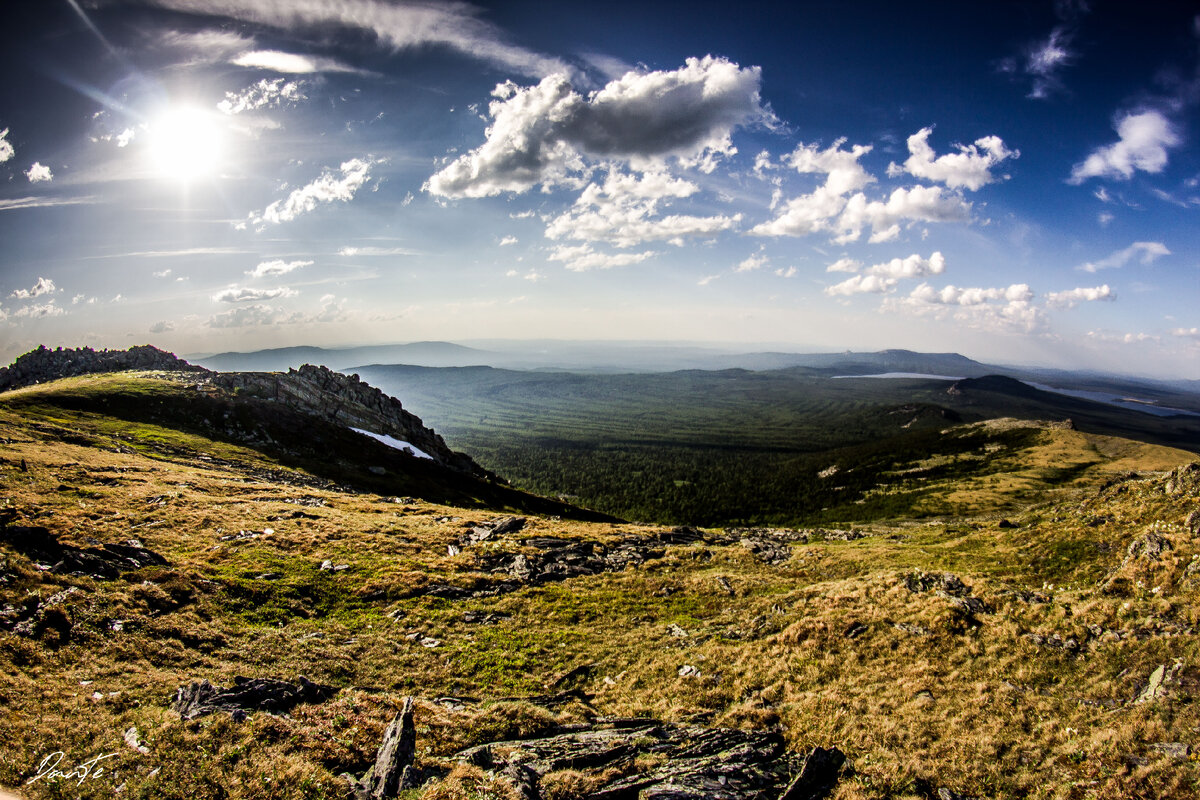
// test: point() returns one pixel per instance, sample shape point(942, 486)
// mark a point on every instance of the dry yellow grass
point(832, 646)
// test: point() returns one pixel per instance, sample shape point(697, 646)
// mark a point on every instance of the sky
point(1018, 182)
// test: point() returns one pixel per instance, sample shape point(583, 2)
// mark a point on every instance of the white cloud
point(622, 212)
point(202, 47)
point(582, 258)
point(790, 272)
point(1073, 297)
point(707, 279)
point(44, 202)
point(162, 273)
point(844, 265)
point(1145, 252)
point(289, 63)
point(969, 168)
point(990, 309)
point(162, 327)
point(542, 134)
point(919, 204)
point(1187, 333)
point(244, 317)
point(39, 311)
point(810, 213)
point(276, 267)
point(398, 26)
point(841, 168)
point(245, 294)
point(752, 262)
point(1142, 145)
point(330, 186)
point(862, 284)
point(264, 94)
point(911, 267)
point(377, 251)
point(38, 172)
point(6, 148)
point(41, 287)
point(508, 240)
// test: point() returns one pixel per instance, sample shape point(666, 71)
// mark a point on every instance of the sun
point(186, 143)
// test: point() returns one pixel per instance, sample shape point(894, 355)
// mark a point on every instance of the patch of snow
point(395, 443)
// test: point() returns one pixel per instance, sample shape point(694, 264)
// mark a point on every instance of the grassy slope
point(973, 705)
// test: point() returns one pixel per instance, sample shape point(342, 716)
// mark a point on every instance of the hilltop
point(195, 605)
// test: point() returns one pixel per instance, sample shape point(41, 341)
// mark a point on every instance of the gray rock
point(258, 694)
point(393, 770)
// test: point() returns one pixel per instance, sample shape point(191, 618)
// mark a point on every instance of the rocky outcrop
point(347, 401)
point(246, 695)
point(44, 364)
point(685, 762)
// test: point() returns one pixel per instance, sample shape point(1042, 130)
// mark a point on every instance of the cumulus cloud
point(244, 317)
point(862, 284)
point(508, 240)
point(918, 204)
point(162, 327)
point(542, 134)
point(844, 265)
point(276, 266)
point(39, 311)
point(245, 294)
point(882, 278)
point(969, 168)
point(330, 186)
point(263, 94)
point(38, 172)
point(1073, 297)
point(993, 308)
point(397, 26)
point(1144, 252)
point(623, 211)
point(1192, 333)
point(1142, 144)
point(827, 209)
point(41, 287)
point(6, 148)
point(582, 258)
point(911, 267)
point(841, 168)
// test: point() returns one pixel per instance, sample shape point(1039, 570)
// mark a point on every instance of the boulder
point(246, 695)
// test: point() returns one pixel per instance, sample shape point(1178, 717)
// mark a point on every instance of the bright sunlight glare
point(186, 143)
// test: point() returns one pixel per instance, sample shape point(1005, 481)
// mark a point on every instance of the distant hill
point(428, 354)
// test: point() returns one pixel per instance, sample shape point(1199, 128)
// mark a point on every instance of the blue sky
point(1018, 182)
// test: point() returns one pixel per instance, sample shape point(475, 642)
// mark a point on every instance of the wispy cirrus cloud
point(276, 266)
point(458, 26)
point(1144, 252)
point(289, 63)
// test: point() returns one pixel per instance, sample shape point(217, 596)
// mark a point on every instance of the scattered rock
point(133, 740)
point(1160, 680)
point(688, 671)
point(1150, 545)
point(1178, 750)
point(246, 694)
point(818, 776)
